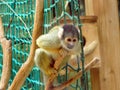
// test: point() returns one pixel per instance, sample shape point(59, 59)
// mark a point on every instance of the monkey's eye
point(74, 40)
point(68, 39)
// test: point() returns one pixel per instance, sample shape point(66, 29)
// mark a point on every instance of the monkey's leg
point(44, 61)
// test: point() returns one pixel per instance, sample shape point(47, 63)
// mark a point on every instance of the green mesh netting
point(18, 17)
point(55, 13)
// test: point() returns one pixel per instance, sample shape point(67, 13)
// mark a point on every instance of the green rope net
point(56, 12)
point(18, 17)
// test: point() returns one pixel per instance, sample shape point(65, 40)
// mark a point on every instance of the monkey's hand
point(62, 53)
point(59, 60)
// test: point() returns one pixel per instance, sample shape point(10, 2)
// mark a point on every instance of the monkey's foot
point(53, 76)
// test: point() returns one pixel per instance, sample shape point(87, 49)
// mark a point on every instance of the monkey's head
point(69, 36)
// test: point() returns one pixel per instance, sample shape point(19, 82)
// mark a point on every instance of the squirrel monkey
point(60, 41)
point(58, 47)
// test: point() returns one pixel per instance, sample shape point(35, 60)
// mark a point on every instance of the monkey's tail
point(90, 48)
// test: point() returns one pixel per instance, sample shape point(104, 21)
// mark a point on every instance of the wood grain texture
point(108, 21)
point(90, 32)
point(93, 34)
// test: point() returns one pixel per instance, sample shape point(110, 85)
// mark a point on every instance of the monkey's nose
point(70, 46)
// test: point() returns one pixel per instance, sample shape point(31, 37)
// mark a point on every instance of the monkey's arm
point(48, 42)
point(44, 61)
point(87, 50)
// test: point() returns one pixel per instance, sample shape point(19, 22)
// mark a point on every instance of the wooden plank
point(95, 75)
point(107, 12)
point(95, 79)
point(84, 19)
point(119, 22)
point(90, 32)
point(89, 7)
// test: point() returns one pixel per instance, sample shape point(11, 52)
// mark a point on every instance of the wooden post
point(90, 31)
point(109, 36)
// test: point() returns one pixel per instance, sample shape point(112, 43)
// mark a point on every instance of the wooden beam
point(84, 19)
point(108, 21)
point(95, 72)
point(90, 32)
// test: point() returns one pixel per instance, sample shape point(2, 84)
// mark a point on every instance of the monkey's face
point(69, 43)
point(69, 36)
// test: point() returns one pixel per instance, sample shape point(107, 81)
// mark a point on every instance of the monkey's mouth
point(70, 46)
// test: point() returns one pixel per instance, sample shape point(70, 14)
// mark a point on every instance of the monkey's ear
point(84, 41)
point(78, 31)
point(60, 33)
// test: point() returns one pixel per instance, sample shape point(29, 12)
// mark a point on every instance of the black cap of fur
point(68, 28)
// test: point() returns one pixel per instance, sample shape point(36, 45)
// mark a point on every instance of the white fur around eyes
point(60, 32)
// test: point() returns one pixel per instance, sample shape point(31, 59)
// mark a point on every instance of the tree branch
point(49, 85)
point(28, 65)
point(7, 57)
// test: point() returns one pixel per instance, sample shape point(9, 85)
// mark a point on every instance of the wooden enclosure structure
point(107, 77)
